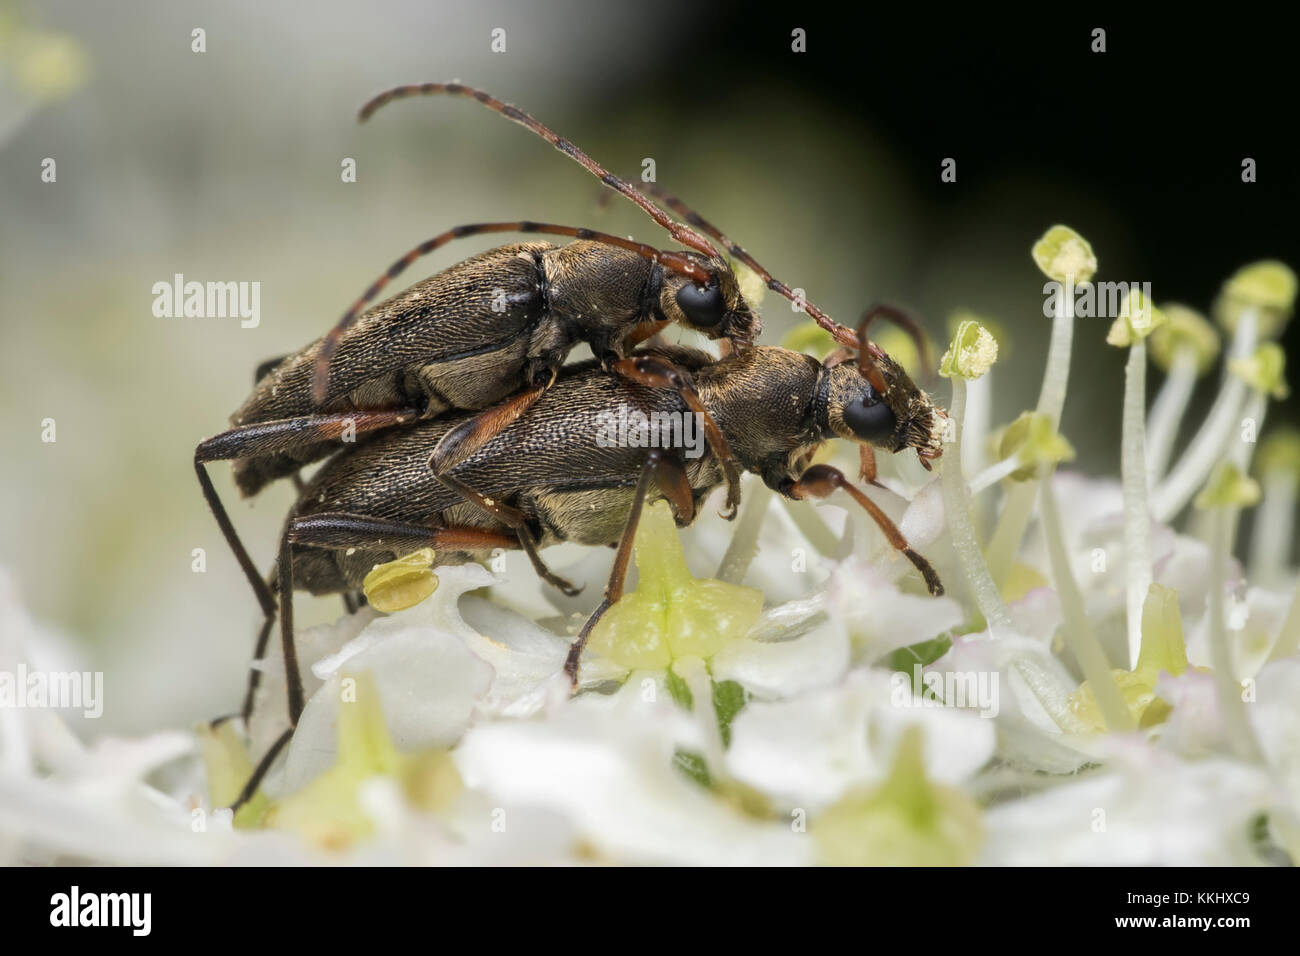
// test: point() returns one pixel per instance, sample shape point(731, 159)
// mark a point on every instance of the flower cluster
point(1102, 683)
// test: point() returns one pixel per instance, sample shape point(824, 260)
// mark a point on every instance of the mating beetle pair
point(474, 428)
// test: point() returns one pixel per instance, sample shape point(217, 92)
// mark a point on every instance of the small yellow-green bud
point(995, 328)
point(671, 614)
point(400, 584)
point(1136, 320)
point(1264, 371)
point(1268, 287)
point(1228, 487)
point(1186, 329)
point(228, 768)
point(972, 352)
point(1033, 440)
point(327, 811)
point(908, 820)
point(1164, 650)
point(1065, 256)
point(1280, 452)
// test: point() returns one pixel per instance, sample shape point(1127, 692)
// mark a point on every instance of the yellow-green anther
point(1228, 487)
point(1137, 319)
point(671, 615)
point(971, 354)
point(1277, 463)
point(1264, 371)
point(1065, 256)
point(1280, 452)
point(1163, 645)
point(908, 820)
point(995, 328)
point(228, 768)
point(1032, 440)
point(1164, 650)
point(811, 338)
point(1186, 329)
point(1268, 287)
point(327, 811)
point(400, 584)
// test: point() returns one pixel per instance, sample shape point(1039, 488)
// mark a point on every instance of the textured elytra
point(774, 406)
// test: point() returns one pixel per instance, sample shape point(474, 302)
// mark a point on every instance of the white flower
point(1147, 808)
point(607, 766)
point(809, 750)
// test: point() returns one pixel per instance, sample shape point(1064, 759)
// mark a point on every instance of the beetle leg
point(671, 479)
point(514, 519)
point(338, 531)
point(264, 368)
point(654, 372)
point(473, 433)
point(867, 465)
point(265, 437)
point(820, 481)
point(285, 434)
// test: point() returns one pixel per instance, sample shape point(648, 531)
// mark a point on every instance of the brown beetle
point(489, 334)
point(548, 472)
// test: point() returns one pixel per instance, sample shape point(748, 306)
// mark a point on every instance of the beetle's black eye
point(702, 305)
point(870, 419)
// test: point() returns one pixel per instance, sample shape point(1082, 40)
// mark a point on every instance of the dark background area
point(1158, 125)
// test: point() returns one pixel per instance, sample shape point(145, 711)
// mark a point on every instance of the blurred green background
point(225, 166)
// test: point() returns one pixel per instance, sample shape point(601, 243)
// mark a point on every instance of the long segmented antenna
point(844, 336)
point(676, 261)
point(868, 352)
point(680, 233)
point(684, 234)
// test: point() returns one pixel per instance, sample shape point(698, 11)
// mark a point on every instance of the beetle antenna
point(680, 233)
point(868, 355)
point(842, 335)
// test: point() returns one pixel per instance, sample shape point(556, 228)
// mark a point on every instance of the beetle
point(489, 335)
point(548, 471)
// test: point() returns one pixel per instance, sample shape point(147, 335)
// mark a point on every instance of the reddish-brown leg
point(654, 372)
point(339, 532)
point(820, 481)
point(671, 479)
